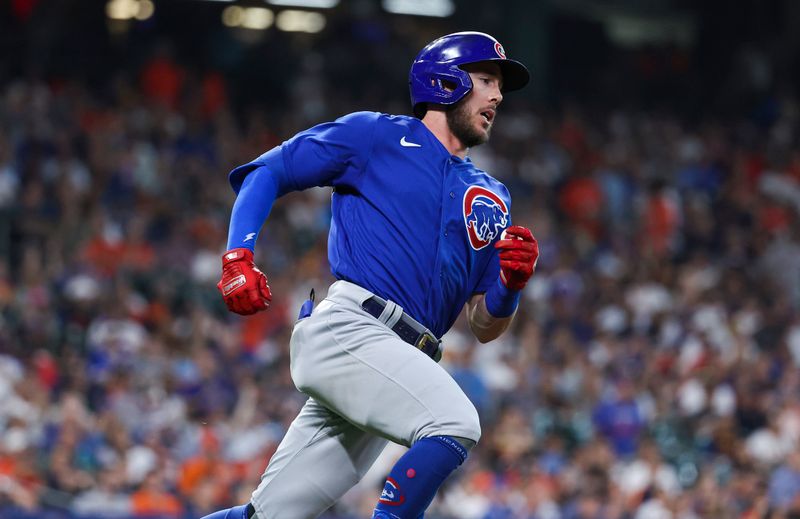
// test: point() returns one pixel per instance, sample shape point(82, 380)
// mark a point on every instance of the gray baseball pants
point(366, 387)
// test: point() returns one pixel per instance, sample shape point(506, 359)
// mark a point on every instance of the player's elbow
point(486, 328)
point(485, 336)
point(485, 332)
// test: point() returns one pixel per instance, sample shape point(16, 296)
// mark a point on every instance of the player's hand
point(519, 252)
point(244, 288)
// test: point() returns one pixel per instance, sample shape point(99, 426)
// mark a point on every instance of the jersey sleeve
point(329, 154)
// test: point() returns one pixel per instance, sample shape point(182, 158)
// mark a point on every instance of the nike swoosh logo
point(406, 144)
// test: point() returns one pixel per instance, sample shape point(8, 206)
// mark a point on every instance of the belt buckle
point(428, 344)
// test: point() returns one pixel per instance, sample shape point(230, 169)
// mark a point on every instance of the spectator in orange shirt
point(154, 500)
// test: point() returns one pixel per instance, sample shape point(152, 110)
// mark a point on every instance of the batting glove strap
point(500, 300)
point(237, 255)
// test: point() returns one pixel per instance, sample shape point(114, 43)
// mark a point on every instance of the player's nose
point(496, 96)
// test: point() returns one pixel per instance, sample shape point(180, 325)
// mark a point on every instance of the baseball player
point(417, 232)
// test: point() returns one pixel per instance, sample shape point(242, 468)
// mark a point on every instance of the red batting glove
point(244, 288)
point(519, 252)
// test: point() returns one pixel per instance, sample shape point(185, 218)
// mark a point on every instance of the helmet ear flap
point(441, 87)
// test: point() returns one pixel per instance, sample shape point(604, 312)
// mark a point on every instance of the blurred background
point(652, 370)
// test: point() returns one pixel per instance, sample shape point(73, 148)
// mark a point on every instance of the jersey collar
point(430, 137)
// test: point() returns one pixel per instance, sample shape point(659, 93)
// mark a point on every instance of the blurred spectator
point(152, 498)
point(618, 417)
point(784, 484)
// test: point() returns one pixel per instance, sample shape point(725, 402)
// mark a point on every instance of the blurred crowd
point(651, 373)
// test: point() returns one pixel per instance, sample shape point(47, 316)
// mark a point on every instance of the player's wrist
point(237, 254)
point(501, 301)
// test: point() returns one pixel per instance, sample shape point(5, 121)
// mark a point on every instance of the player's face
point(471, 119)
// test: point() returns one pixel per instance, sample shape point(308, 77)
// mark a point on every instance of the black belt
point(407, 329)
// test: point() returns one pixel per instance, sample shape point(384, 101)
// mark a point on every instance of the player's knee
point(465, 424)
point(472, 428)
point(471, 424)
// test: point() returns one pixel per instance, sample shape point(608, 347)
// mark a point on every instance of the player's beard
point(460, 122)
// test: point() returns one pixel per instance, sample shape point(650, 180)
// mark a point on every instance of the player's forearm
point(490, 314)
point(484, 325)
point(253, 204)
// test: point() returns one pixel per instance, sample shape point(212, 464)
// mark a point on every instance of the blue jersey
point(410, 222)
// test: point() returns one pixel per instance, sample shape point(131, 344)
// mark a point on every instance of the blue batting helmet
point(441, 60)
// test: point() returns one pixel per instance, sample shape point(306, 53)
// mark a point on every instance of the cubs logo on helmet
point(391, 494)
point(485, 216)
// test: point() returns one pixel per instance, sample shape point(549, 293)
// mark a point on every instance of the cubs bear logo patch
point(485, 216)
